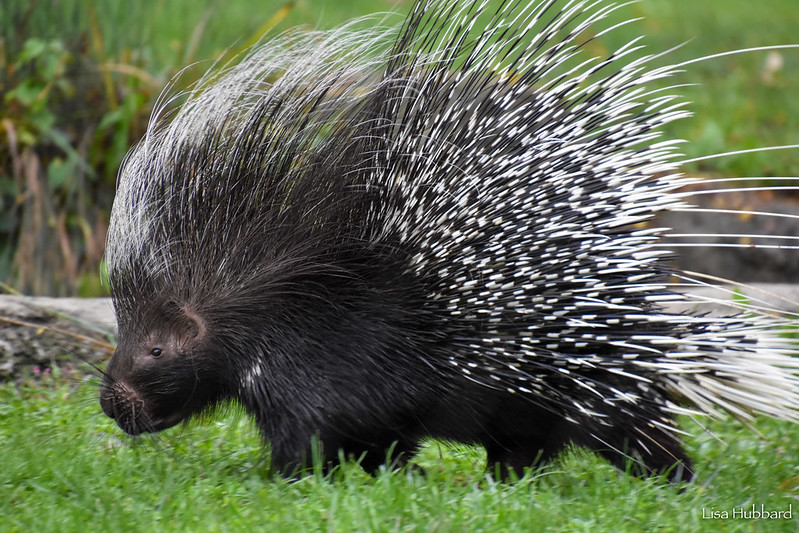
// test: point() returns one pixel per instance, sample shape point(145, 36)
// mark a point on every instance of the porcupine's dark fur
point(372, 243)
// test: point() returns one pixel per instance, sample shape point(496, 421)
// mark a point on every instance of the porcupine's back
point(452, 222)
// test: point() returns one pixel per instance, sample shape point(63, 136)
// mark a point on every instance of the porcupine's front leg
point(296, 451)
point(394, 453)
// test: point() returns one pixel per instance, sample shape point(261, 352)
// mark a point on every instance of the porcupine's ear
point(186, 320)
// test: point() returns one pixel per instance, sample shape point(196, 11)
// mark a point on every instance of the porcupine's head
point(162, 371)
point(166, 366)
point(228, 220)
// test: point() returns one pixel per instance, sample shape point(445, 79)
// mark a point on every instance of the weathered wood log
point(41, 332)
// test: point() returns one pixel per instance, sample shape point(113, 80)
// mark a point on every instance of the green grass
point(64, 468)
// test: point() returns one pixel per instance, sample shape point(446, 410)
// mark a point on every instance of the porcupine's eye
point(155, 353)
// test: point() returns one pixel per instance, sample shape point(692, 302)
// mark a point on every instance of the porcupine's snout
point(123, 405)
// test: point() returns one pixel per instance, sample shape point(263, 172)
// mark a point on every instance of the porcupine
point(369, 241)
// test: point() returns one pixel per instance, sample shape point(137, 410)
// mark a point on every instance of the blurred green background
point(78, 79)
